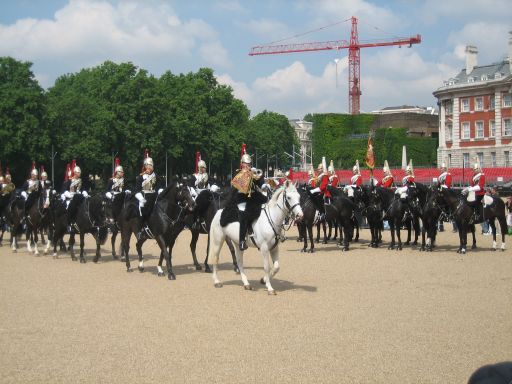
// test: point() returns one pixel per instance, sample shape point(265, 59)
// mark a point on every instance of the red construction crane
point(354, 88)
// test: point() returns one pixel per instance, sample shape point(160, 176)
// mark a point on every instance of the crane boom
point(353, 46)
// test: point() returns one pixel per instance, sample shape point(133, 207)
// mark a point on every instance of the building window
point(484, 78)
point(465, 160)
point(449, 107)
point(507, 127)
point(493, 159)
point(506, 155)
point(465, 130)
point(449, 132)
point(479, 129)
point(507, 100)
point(465, 105)
point(492, 128)
point(492, 102)
point(479, 104)
point(449, 160)
point(480, 156)
point(497, 75)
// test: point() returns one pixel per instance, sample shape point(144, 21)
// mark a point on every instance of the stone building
point(475, 118)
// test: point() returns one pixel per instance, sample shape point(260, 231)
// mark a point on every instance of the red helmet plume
point(198, 159)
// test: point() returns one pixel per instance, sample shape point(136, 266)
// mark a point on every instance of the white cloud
point(230, 5)
point(267, 28)
point(468, 10)
point(84, 33)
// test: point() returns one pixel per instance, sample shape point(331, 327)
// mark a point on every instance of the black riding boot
point(242, 244)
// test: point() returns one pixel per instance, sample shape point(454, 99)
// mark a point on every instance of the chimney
point(510, 51)
point(471, 52)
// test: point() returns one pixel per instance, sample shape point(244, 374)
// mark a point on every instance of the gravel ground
point(365, 316)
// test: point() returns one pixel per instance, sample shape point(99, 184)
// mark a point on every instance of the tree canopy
point(120, 110)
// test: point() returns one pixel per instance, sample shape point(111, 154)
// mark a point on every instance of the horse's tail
point(103, 234)
point(216, 238)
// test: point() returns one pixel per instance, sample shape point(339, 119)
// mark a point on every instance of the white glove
point(465, 191)
point(85, 194)
point(160, 190)
point(63, 196)
point(109, 195)
point(193, 192)
point(128, 191)
point(476, 188)
point(24, 194)
point(141, 199)
point(54, 192)
point(214, 188)
point(315, 190)
point(67, 195)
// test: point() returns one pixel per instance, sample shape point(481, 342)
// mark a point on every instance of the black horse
point(13, 214)
point(113, 208)
point(198, 222)
point(170, 208)
point(463, 215)
point(343, 212)
point(431, 213)
point(90, 218)
point(305, 226)
point(372, 210)
point(36, 220)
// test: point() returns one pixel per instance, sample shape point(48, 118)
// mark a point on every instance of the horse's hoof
point(160, 274)
point(171, 276)
point(463, 251)
point(262, 281)
point(14, 251)
point(473, 246)
point(502, 249)
point(399, 248)
point(311, 251)
point(324, 242)
point(73, 258)
point(248, 287)
point(272, 293)
point(207, 269)
point(493, 249)
point(82, 261)
point(55, 256)
point(356, 240)
point(141, 269)
point(407, 243)
point(344, 249)
point(391, 247)
point(198, 268)
point(218, 285)
point(123, 259)
point(422, 249)
point(115, 257)
point(129, 270)
point(302, 250)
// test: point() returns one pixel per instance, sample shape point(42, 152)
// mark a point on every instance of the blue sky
point(63, 36)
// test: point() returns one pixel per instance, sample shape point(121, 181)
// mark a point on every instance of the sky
point(64, 36)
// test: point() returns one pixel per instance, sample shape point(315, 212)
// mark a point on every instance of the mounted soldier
point(388, 179)
point(7, 185)
point(312, 178)
point(73, 193)
point(29, 188)
point(333, 177)
point(46, 187)
point(116, 184)
point(445, 178)
point(321, 195)
point(476, 192)
point(248, 195)
point(147, 187)
point(356, 181)
point(407, 182)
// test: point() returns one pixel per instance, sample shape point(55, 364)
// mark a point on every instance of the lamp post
point(54, 154)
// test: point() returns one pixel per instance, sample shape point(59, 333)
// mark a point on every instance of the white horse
point(266, 234)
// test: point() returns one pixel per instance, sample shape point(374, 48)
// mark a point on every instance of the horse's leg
point(138, 246)
point(423, 230)
point(266, 255)
point(398, 237)
point(243, 276)
point(216, 239)
point(329, 233)
point(503, 229)
point(193, 244)
point(408, 225)
point(492, 224)
point(71, 245)
point(82, 244)
point(335, 223)
point(28, 237)
point(161, 243)
point(98, 252)
point(324, 227)
point(35, 231)
point(473, 246)
point(391, 223)
point(125, 242)
point(233, 255)
point(347, 231)
point(303, 234)
point(318, 232)
point(309, 229)
point(416, 231)
point(113, 242)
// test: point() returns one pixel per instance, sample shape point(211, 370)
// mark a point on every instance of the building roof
point(480, 75)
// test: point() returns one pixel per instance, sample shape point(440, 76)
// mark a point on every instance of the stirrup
point(242, 245)
point(74, 226)
point(145, 231)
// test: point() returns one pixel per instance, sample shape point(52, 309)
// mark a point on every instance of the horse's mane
point(277, 194)
point(166, 190)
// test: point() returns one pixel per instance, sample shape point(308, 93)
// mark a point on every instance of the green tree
point(270, 133)
point(23, 128)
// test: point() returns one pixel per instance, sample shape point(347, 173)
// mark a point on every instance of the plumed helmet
point(148, 161)
point(77, 169)
point(386, 167)
point(201, 164)
point(443, 166)
point(409, 169)
point(246, 158)
point(331, 167)
point(476, 167)
point(311, 172)
point(119, 169)
point(44, 174)
point(34, 172)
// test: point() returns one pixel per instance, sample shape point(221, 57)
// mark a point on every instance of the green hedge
point(338, 137)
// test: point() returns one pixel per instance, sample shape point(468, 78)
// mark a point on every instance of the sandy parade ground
point(364, 316)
